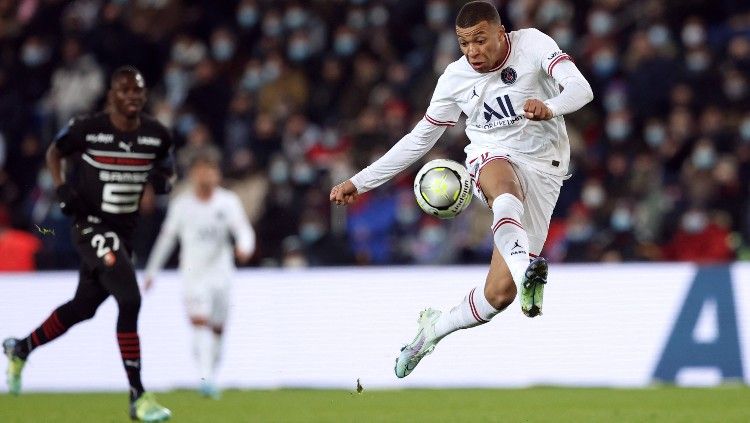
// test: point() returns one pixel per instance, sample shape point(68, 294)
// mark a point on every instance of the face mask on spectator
point(44, 181)
point(621, 220)
point(345, 45)
point(357, 19)
point(432, 235)
point(378, 15)
point(605, 63)
point(614, 100)
point(600, 23)
point(311, 232)
point(550, 11)
point(658, 35)
point(735, 87)
point(406, 215)
point(694, 222)
point(223, 50)
point(593, 196)
point(272, 26)
point(174, 78)
point(278, 171)
point(655, 134)
point(579, 231)
point(34, 55)
point(704, 157)
point(251, 79)
point(298, 50)
point(295, 18)
point(693, 35)
point(247, 17)
point(437, 13)
point(697, 62)
point(745, 130)
point(303, 174)
point(618, 130)
point(271, 71)
point(564, 37)
point(185, 124)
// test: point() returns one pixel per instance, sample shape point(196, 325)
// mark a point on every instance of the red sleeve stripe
point(439, 122)
point(557, 60)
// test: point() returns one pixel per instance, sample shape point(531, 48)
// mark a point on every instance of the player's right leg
point(83, 306)
point(501, 188)
point(198, 299)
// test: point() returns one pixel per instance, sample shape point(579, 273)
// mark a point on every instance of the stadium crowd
point(301, 94)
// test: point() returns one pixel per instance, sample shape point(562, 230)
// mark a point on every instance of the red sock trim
point(473, 307)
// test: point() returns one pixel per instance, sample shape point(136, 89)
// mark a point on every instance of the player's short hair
point(474, 12)
point(123, 71)
point(209, 155)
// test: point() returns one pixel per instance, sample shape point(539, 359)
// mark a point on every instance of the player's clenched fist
point(536, 110)
point(343, 193)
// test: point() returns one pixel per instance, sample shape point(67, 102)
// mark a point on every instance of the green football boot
point(15, 366)
point(532, 288)
point(146, 409)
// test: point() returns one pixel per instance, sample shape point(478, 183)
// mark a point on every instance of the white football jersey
point(493, 103)
point(204, 229)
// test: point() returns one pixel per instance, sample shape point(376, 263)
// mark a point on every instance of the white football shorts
point(207, 299)
point(540, 192)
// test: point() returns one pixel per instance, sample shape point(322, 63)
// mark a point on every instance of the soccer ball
point(443, 188)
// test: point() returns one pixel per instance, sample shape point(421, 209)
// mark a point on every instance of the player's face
point(128, 94)
point(482, 44)
point(205, 176)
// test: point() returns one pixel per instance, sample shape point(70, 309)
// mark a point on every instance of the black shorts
point(106, 265)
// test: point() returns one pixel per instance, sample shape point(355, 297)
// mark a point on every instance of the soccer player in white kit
point(205, 218)
point(508, 86)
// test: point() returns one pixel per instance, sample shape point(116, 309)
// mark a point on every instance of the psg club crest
point(508, 75)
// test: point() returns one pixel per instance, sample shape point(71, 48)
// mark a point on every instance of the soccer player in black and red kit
point(113, 155)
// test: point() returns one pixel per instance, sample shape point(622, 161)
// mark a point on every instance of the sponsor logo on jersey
point(505, 113)
point(126, 146)
point(508, 75)
point(505, 106)
point(100, 138)
point(134, 177)
point(152, 141)
point(474, 92)
point(555, 54)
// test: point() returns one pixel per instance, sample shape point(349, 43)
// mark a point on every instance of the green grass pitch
point(664, 404)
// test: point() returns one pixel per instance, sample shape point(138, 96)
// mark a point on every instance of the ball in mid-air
point(443, 188)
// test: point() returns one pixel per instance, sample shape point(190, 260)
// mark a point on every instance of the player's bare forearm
point(535, 109)
point(344, 193)
point(55, 164)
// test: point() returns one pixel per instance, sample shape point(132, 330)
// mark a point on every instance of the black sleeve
point(163, 169)
point(69, 139)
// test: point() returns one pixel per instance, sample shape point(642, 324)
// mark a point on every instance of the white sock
point(510, 237)
point(474, 310)
point(203, 337)
point(216, 352)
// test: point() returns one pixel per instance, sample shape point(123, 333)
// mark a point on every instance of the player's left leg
point(118, 277)
point(220, 294)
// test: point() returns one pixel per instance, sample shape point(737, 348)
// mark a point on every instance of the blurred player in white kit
point(205, 219)
point(508, 86)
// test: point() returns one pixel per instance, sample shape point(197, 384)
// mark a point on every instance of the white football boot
point(422, 345)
